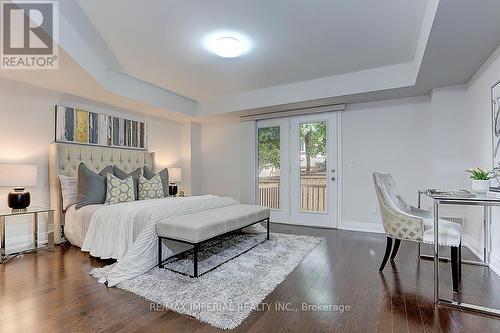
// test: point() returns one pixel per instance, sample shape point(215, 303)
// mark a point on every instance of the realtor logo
point(29, 35)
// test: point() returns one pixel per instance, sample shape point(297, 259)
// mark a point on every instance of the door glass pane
point(269, 157)
point(313, 148)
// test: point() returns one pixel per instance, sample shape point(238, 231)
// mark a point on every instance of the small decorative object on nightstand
point(34, 211)
point(181, 192)
point(18, 176)
point(174, 175)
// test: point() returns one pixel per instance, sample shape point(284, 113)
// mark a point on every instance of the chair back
point(396, 216)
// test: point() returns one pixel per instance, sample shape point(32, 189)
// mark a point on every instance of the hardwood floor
point(52, 292)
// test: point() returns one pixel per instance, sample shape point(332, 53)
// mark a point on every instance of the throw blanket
point(127, 232)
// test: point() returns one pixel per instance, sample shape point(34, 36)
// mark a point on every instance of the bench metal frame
point(196, 247)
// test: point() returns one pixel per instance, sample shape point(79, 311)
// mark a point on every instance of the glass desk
point(486, 202)
point(34, 211)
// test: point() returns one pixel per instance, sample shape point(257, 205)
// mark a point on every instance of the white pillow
point(69, 189)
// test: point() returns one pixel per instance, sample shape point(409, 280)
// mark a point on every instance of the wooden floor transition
point(52, 292)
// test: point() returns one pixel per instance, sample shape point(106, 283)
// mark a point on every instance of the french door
point(273, 167)
point(297, 169)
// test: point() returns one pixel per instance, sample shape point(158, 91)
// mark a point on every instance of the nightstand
point(35, 212)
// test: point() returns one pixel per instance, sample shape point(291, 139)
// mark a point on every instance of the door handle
point(332, 170)
point(333, 179)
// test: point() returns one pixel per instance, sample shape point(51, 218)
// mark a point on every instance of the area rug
point(225, 296)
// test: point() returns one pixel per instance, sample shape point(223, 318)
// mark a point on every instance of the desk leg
point(487, 244)
point(487, 234)
point(35, 231)
point(436, 252)
point(2, 239)
point(50, 230)
point(419, 200)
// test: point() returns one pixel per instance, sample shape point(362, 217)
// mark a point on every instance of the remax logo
point(29, 35)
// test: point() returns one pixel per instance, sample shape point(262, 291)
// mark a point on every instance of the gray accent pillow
point(91, 186)
point(119, 190)
point(150, 189)
point(135, 176)
point(148, 174)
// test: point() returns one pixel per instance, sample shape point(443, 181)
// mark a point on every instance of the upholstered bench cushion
point(197, 227)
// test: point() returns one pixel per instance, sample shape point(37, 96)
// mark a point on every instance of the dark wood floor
point(52, 292)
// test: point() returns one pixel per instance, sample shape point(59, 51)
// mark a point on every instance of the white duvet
point(76, 223)
point(127, 232)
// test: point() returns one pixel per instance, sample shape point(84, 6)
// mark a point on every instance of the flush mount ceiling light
point(227, 45)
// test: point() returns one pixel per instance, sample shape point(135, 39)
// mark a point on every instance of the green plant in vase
point(480, 180)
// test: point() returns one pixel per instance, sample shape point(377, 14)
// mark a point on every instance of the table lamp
point(174, 175)
point(18, 176)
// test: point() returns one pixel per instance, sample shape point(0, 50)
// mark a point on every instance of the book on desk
point(451, 193)
point(494, 192)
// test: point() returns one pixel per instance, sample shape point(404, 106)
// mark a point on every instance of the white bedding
point(76, 223)
point(127, 232)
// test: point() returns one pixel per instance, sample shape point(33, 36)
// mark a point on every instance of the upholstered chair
point(404, 222)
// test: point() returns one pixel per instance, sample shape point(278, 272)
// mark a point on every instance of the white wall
point(390, 137)
point(27, 128)
point(191, 158)
point(223, 144)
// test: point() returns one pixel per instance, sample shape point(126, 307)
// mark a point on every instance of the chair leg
point(454, 268)
point(387, 253)
point(460, 263)
point(397, 242)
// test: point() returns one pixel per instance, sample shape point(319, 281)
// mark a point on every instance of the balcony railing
point(312, 193)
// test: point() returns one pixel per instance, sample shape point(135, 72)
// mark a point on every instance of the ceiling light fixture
point(228, 47)
point(227, 44)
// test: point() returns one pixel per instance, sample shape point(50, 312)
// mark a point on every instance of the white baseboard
point(362, 226)
point(346, 225)
point(473, 246)
point(477, 248)
point(495, 264)
point(23, 243)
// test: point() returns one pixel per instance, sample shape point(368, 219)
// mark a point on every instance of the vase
point(480, 186)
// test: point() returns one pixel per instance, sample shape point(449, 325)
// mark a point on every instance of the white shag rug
point(225, 296)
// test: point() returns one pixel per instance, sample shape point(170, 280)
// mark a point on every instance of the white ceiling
point(147, 56)
point(161, 41)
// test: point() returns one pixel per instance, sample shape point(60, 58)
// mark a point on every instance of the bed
point(125, 231)
point(64, 159)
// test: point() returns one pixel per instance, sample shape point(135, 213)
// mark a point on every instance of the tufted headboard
point(64, 159)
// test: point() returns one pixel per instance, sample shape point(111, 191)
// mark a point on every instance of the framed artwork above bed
point(84, 127)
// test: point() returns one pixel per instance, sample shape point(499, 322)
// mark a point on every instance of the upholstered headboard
point(64, 160)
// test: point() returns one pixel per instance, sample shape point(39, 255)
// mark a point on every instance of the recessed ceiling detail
point(349, 53)
point(292, 40)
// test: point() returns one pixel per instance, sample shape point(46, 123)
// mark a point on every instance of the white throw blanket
point(127, 232)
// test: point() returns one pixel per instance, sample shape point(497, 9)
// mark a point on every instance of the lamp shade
point(175, 174)
point(18, 175)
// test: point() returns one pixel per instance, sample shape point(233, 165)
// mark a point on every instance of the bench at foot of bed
point(197, 228)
